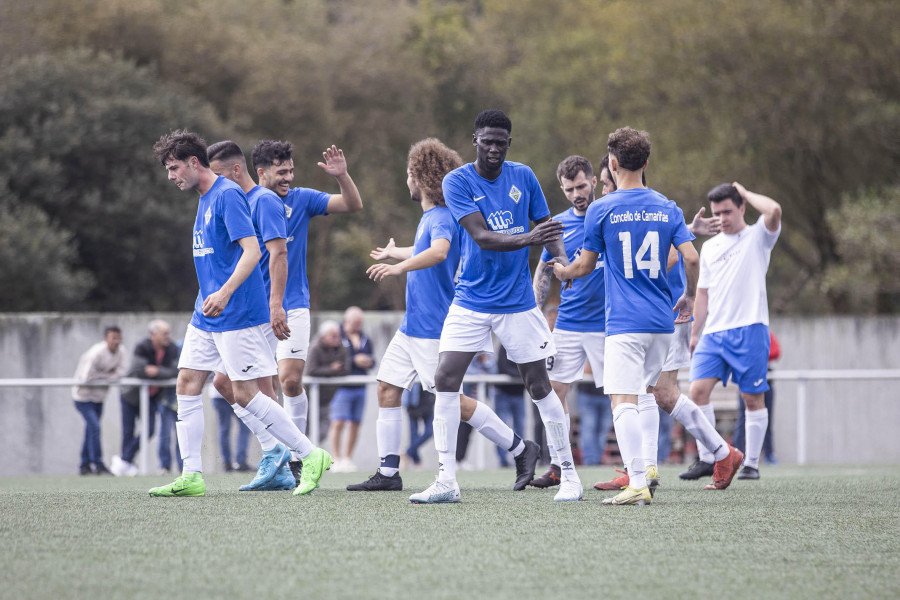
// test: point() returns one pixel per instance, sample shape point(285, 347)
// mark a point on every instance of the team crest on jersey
point(515, 194)
point(287, 212)
point(208, 215)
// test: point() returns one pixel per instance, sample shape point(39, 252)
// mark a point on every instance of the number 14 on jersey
point(650, 246)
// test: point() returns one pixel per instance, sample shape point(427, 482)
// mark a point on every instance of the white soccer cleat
point(439, 492)
point(570, 490)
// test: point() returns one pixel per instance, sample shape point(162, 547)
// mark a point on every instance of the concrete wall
point(848, 422)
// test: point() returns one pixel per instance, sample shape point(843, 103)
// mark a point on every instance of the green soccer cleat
point(630, 496)
point(189, 484)
point(314, 466)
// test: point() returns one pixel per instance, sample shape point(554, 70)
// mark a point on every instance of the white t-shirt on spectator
point(733, 269)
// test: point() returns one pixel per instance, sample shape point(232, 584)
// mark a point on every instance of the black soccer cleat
point(748, 473)
point(525, 464)
point(698, 469)
point(378, 483)
point(549, 479)
point(296, 469)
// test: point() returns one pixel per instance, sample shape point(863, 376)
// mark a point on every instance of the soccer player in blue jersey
point(495, 201)
point(274, 164)
point(228, 328)
point(431, 265)
point(632, 228)
point(581, 319)
point(267, 213)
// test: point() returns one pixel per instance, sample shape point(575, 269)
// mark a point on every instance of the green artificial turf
point(811, 532)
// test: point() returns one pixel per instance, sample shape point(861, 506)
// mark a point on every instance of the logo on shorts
point(295, 351)
point(757, 382)
point(515, 194)
point(247, 369)
point(544, 345)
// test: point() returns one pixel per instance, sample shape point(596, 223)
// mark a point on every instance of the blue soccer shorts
point(741, 354)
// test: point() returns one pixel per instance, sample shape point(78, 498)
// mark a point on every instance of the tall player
point(228, 328)
point(431, 268)
point(629, 228)
point(267, 213)
point(733, 311)
point(274, 164)
point(581, 319)
point(495, 200)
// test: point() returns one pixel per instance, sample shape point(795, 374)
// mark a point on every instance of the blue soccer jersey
point(223, 217)
point(495, 282)
point(633, 230)
point(429, 292)
point(267, 212)
point(582, 307)
point(301, 204)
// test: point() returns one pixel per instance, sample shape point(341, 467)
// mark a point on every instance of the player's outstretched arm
point(391, 252)
point(543, 233)
point(583, 265)
point(349, 200)
point(685, 304)
point(433, 255)
point(705, 227)
point(278, 270)
point(770, 210)
point(216, 302)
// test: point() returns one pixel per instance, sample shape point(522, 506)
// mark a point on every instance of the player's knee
point(447, 382)
point(292, 384)
point(389, 396)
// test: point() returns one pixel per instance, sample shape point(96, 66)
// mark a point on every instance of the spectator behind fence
point(226, 415)
point(595, 420)
point(349, 401)
point(509, 401)
point(327, 358)
point(420, 409)
point(104, 361)
point(155, 357)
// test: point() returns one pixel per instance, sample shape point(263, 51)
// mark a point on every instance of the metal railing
point(801, 377)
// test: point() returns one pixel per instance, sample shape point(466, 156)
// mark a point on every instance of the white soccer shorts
point(297, 345)
point(573, 348)
point(242, 354)
point(406, 357)
point(679, 355)
point(525, 335)
point(634, 361)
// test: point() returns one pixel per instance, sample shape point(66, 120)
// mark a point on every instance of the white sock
point(297, 408)
point(486, 421)
point(755, 424)
point(266, 440)
point(689, 414)
point(189, 429)
point(277, 422)
point(446, 430)
point(703, 453)
point(649, 415)
point(554, 417)
point(388, 429)
point(627, 423)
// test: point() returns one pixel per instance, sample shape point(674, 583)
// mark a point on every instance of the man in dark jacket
point(155, 357)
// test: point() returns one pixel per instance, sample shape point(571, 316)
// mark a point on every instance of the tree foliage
point(796, 100)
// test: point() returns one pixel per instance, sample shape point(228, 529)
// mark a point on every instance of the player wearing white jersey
point(495, 201)
point(733, 312)
point(227, 330)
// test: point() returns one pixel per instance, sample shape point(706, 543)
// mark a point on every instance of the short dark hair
point(115, 328)
point(572, 165)
point(223, 151)
point(271, 152)
point(180, 145)
point(630, 147)
point(604, 164)
point(493, 118)
point(429, 160)
point(723, 192)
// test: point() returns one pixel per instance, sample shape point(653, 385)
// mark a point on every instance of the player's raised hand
point(335, 164)
point(701, 226)
point(685, 309)
point(380, 271)
point(546, 232)
point(383, 253)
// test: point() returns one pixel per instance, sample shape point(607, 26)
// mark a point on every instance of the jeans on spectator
point(226, 415)
point(416, 437)
point(91, 452)
point(511, 410)
point(664, 441)
point(768, 451)
point(596, 421)
point(131, 442)
point(167, 418)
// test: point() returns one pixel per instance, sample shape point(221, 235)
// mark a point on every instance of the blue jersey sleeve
point(457, 196)
point(235, 212)
point(270, 217)
point(538, 209)
point(593, 235)
point(443, 228)
point(681, 234)
point(318, 203)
